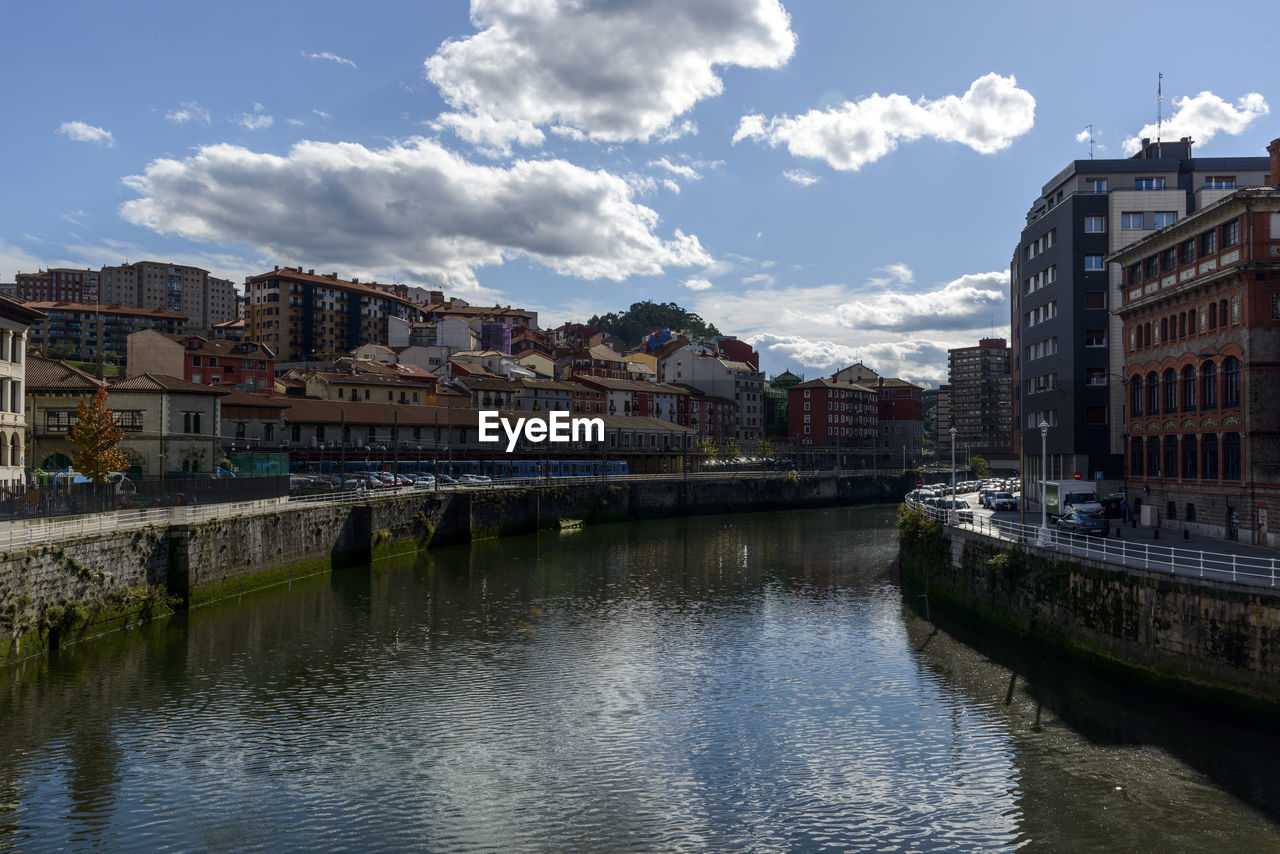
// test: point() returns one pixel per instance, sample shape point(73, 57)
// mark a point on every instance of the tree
point(648, 316)
point(96, 437)
point(981, 468)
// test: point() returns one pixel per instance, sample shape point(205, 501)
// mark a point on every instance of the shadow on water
point(1235, 751)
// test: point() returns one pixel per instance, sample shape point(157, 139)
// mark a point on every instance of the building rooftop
point(161, 383)
point(43, 374)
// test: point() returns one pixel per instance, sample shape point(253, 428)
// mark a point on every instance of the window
point(130, 420)
point(1187, 251)
point(1220, 182)
point(1170, 468)
point(1153, 393)
point(1131, 220)
point(1093, 263)
point(1095, 338)
point(1135, 395)
point(191, 422)
point(59, 420)
point(1153, 457)
point(1231, 456)
point(1096, 376)
point(1189, 460)
point(1208, 243)
point(1209, 456)
point(1189, 389)
point(1148, 184)
point(1135, 457)
point(1169, 259)
point(1150, 267)
point(1209, 386)
point(1095, 225)
point(1163, 218)
point(1170, 390)
point(1096, 185)
point(1230, 233)
point(1231, 382)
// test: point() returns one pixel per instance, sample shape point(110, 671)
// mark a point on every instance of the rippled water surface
point(744, 683)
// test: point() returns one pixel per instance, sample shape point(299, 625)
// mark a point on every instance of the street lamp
point(953, 472)
point(1044, 480)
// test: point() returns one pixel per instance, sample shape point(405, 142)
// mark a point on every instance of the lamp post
point(953, 432)
point(1044, 480)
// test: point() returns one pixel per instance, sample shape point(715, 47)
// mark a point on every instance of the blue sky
point(831, 180)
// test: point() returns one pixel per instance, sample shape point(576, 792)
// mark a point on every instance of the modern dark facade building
point(1067, 362)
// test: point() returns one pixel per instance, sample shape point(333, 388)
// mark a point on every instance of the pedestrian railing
point(1201, 563)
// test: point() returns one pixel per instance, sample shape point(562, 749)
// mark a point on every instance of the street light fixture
point(953, 474)
point(1044, 481)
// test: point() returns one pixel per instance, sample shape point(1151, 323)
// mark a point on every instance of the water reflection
point(733, 683)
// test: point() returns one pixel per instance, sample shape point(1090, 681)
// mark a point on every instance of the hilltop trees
point(645, 317)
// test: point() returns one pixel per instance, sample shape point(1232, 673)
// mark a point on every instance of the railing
point(1199, 563)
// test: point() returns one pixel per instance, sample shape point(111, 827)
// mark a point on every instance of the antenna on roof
point(1159, 110)
point(1090, 127)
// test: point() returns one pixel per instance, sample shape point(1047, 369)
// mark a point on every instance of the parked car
point(962, 508)
point(426, 481)
point(1078, 522)
point(1003, 501)
point(446, 480)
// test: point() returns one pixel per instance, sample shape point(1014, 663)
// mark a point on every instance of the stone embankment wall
point(1206, 638)
point(92, 583)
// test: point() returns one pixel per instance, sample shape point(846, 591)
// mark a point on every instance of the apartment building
point(81, 332)
point(980, 402)
point(58, 284)
point(243, 365)
point(300, 315)
point(204, 300)
point(1066, 356)
point(830, 412)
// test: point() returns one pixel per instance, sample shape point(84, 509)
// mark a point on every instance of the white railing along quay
point(1199, 563)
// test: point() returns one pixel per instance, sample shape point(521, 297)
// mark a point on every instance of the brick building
point(826, 412)
point(1201, 331)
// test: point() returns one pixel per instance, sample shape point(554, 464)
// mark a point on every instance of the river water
point(734, 683)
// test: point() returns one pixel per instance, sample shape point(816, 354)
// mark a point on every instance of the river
point(733, 683)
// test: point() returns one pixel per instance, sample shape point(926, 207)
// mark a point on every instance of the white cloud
point(190, 111)
point(698, 284)
point(614, 71)
point(493, 137)
point(81, 132)
point(675, 131)
point(413, 206)
point(831, 325)
point(257, 120)
point(760, 279)
point(801, 177)
point(75, 217)
point(15, 260)
point(321, 113)
point(683, 170)
point(1084, 135)
point(295, 122)
point(331, 57)
point(1202, 118)
point(986, 118)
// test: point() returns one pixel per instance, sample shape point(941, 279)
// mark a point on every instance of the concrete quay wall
point(1212, 640)
point(90, 583)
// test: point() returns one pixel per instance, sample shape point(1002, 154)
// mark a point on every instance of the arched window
point(1135, 394)
point(1153, 393)
point(1209, 456)
point(1169, 467)
point(1189, 388)
point(1231, 382)
point(1135, 457)
point(15, 450)
point(1209, 386)
point(1171, 390)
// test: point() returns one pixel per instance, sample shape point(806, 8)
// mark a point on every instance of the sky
point(832, 180)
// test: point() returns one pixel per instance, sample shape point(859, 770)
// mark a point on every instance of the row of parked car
point(383, 480)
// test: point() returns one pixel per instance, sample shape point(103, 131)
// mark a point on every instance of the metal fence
point(74, 499)
point(1199, 563)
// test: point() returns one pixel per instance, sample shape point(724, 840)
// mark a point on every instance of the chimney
point(309, 272)
point(1274, 150)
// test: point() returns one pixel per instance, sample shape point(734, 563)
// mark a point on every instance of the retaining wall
point(1211, 639)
